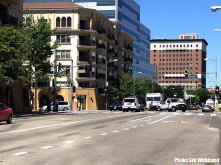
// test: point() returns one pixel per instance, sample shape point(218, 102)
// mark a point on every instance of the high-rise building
point(126, 15)
point(180, 61)
point(94, 40)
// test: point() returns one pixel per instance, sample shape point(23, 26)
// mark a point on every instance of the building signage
point(192, 76)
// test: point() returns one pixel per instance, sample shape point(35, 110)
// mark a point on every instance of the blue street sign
point(192, 76)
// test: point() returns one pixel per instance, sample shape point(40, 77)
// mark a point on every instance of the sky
point(169, 18)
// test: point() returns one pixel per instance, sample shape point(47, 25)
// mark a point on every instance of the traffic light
point(186, 73)
point(105, 89)
point(90, 66)
point(217, 90)
point(59, 66)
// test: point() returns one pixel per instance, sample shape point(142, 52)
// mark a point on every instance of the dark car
point(193, 107)
point(5, 114)
point(117, 105)
point(141, 105)
point(207, 108)
point(187, 107)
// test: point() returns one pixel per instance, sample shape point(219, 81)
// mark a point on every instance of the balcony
point(87, 44)
point(110, 78)
point(116, 42)
point(7, 19)
point(100, 76)
point(89, 76)
point(129, 47)
point(85, 26)
point(100, 61)
point(101, 31)
point(128, 59)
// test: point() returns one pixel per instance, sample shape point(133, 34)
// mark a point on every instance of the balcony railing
point(100, 60)
point(110, 51)
point(7, 19)
point(100, 76)
point(87, 43)
point(110, 78)
point(86, 27)
point(86, 75)
point(110, 64)
point(83, 58)
point(128, 59)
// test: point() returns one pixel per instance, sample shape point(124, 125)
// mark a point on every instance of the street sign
point(192, 76)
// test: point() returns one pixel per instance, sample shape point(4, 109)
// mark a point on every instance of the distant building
point(94, 39)
point(13, 93)
point(126, 15)
point(173, 56)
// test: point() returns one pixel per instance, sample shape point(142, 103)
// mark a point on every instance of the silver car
point(62, 106)
point(207, 108)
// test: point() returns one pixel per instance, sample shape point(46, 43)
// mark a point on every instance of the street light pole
point(71, 94)
point(55, 88)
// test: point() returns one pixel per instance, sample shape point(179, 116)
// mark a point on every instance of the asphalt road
point(111, 138)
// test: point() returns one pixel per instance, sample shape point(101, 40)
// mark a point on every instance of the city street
point(110, 138)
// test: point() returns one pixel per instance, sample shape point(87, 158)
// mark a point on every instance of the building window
point(63, 22)
point(69, 22)
point(63, 38)
point(63, 54)
point(58, 21)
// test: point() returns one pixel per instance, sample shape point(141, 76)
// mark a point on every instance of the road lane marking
point(20, 153)
point(126, 129)
point(139, 119)
point(170, 121)
point(188, 114)
point(141, 125)
point(61, 124)
point(68, 142)
point(116, 131)
point(134, 127)
point(185, 122)
point(88, 137)
point(103, 134)
point(201, 114)
point(47, 147)
point(176, 113)
point(213, 115)
point(161, 119)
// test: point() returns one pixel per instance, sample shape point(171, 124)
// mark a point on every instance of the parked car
point(141, 105)
point(62, 106)
point(193, 107)
point(130, 103)
point(5, 113)
point(207, 108)
point(117, 105)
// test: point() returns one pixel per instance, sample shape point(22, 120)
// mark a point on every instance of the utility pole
point(106, 83)
point(216, 82)
point(55, 85)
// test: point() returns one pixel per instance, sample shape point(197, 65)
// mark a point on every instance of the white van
point(153, 100)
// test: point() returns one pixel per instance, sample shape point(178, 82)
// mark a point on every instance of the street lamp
point(215, 8)
point(216, 82)
point(134, 80)
point(106, 83)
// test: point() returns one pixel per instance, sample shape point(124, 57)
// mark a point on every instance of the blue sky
point(169, 18)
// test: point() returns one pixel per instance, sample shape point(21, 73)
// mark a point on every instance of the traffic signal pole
point(71, 94)
point(55, 86)
point(216, 82)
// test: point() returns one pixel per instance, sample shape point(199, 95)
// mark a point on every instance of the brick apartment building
point(173, 56)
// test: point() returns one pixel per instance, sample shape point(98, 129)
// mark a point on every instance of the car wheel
point(9, 121)
point(183, 110)
point(173, 109)
point(65, 109)
point(158, 108)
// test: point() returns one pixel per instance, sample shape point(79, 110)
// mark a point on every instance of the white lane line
point(184, 122)
point(88, 137)
point(47, 147)
point(188, 114)
point(103, 134)
point(162, 113)
point(134, 127)
point(20, 153)
point(176, 113)
point(61, 124)
point(151, 112)
point(170, 121)
point(213, 115)
point(201, 114)
point(116, 131)
point(161, 119)
point(68, 142)
point(139, 119)
point(141, 125)
point(126, 129)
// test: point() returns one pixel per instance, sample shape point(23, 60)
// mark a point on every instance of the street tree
point(202, 95)
point(173, 91)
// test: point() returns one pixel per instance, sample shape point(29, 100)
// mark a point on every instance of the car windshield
point(129, 100)
point(156, 99)
point(149, 98)
point(174, 100)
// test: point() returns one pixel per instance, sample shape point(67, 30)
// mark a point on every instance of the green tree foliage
point(202, 95)
point(170, 91)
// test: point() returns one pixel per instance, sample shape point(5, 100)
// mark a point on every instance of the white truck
point(210, 102)
point(153, 100)
point(172, 104)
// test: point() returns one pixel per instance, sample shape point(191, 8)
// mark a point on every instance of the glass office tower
point(127, 14)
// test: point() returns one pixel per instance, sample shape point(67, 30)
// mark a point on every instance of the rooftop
point(44, 5)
